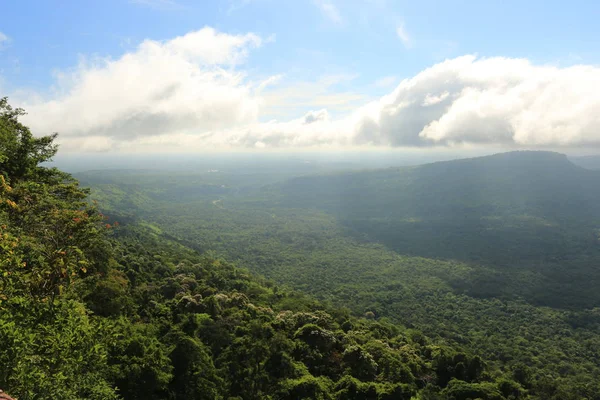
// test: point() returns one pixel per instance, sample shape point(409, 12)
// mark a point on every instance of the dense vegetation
point(91, 309)
point(533, 215)
point(495, 256)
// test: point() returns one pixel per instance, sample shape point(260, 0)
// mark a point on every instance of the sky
point(182, 76)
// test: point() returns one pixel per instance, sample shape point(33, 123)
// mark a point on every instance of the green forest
point(472, 279)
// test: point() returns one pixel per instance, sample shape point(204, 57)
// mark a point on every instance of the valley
point(498, 255)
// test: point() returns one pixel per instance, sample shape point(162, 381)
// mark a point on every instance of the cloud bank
point(489, 101)
point(191, 93)
point(187, 84)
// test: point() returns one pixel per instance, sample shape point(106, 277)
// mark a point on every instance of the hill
point(531, 183)
point(514, 212)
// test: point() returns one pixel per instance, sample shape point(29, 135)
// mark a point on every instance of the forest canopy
point(96, 306)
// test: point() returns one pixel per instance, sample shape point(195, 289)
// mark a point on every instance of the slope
point(520, 211)
point(490, 308)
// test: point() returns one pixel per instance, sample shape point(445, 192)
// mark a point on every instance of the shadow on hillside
point(544, 265)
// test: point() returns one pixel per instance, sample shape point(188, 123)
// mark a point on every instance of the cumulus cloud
point(488, 101)
point(192, 94)
point(431, 100)
point(184, 85)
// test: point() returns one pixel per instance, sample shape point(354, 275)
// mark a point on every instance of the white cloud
point(187, 84)
point(488, 101)
point(207, 46)
point(190, 94)
point(431, 100)
point(329, 10)
point(463, 101)
point(403, 35)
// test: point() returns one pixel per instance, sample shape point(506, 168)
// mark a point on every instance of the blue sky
point(348, 52)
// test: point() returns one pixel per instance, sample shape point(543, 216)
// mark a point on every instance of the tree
point(139, 364)
point(50, 235)
point(20, 152)
point(194, 375)
point(49, 346)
